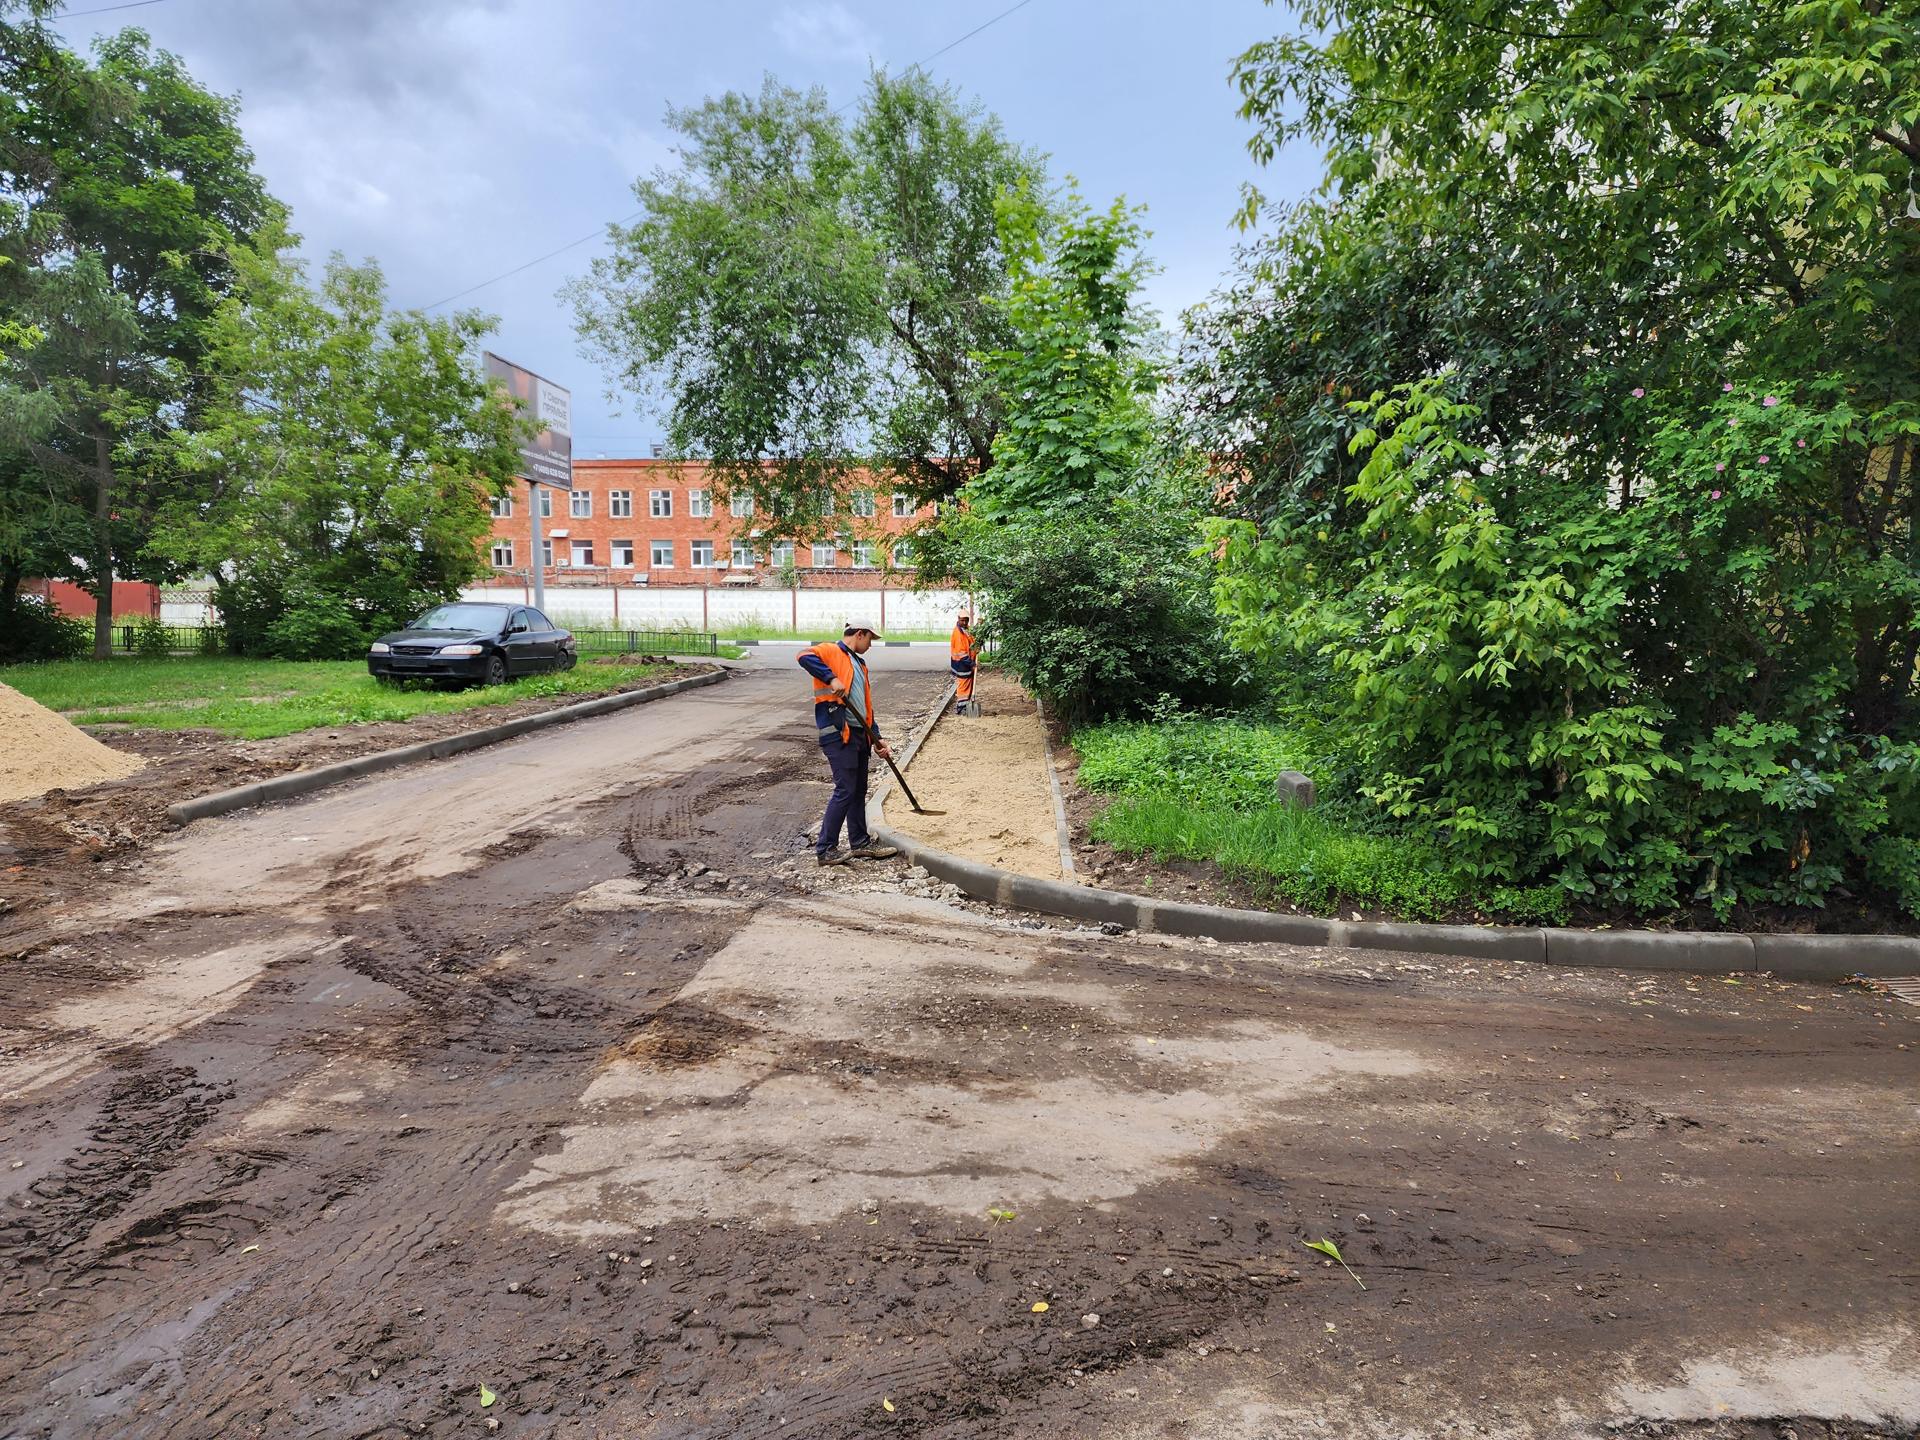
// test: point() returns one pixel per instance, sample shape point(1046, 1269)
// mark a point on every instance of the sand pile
point(990, 776)
point(40, 752)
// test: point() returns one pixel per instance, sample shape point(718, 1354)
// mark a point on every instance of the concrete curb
point(304, 782)
point(1792, 957)
point(905, 757)
point(1062, 832)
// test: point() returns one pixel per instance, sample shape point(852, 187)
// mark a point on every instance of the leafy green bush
point(315, 627)
point(1223, 764)
point(38, 631)
point(152, 638)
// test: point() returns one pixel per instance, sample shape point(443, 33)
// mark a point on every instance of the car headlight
point(459, 649)
point(379, 647)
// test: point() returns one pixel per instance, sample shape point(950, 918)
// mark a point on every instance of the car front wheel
point(496, 670)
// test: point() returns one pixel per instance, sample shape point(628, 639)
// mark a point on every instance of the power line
point(103, 9)
point(597, 234)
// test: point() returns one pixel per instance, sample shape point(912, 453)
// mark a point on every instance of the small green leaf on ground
point(487, 1397)
point(1327, 1247)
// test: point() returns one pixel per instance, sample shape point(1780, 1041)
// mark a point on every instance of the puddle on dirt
point(753, 1122)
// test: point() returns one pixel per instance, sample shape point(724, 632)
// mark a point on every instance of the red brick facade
point(643, 522)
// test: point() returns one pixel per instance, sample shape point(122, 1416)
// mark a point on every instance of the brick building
point(657, 523)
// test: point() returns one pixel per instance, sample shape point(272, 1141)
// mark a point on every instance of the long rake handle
point(854, 719)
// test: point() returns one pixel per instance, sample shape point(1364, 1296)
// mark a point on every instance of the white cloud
point(825, 32)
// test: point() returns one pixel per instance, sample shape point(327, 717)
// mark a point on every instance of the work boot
point(830, 857)
point(871, 851)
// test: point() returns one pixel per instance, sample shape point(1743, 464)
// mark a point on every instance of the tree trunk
point(103, 549)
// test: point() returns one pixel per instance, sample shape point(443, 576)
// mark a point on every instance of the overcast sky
point(455, 139)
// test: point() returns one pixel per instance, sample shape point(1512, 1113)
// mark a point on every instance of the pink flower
point(1728, 387)
point(1771, 401)
point(1732, 423)
point(1720, 466)
point(1763, 459)
point(1800, 444)
point(1716, 495)
point(1638, 391)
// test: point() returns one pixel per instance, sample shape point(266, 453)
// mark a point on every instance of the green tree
point(128, 184)
point(807, 296)
point(346, 455)
point(1572, 430)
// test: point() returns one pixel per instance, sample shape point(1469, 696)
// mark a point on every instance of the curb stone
point(305, 782)
point(1790, 957)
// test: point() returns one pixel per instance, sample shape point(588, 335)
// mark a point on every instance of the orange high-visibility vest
point(960, 651)
point(841, 662)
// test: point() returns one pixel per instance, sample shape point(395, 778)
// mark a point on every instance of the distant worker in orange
point(963, 646)
point(843, 713)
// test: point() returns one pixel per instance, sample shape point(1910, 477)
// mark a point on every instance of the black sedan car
point(473, 643)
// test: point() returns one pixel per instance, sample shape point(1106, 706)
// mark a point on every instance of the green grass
point(261, 699)
point(1193, 789)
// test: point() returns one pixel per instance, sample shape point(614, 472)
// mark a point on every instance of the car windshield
point(461, 617)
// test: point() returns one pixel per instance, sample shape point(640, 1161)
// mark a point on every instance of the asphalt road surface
point(556, 1073)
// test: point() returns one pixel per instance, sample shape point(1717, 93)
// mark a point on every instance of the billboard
point(546, 459)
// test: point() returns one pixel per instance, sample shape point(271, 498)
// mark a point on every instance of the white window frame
point(741, 506)
point(861, 504)
point(660, 504)
point(614, 557)
point(866, 555)
point(781, 554)
point(580, 505)
point(654, 547)
point(693, 555)
point(546, 554)
point(503, 554)
point(546, 501)
point(619, 504)
point(902, 506)
point(902, 553)
point(700, 504)
point(574, 547)
point(503, 507)
point(832, 553)
point(742, 556)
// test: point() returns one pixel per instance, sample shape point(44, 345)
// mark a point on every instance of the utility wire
point(103, 9)
point(599, 233)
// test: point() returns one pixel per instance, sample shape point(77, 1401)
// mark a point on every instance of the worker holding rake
point(843, 713)
point(962, 649)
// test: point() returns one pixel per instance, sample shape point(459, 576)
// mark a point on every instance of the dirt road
point(558, 1069)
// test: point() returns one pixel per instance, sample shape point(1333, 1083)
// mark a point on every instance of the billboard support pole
point(539, 570)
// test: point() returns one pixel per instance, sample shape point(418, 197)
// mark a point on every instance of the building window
point(781, 555)
point(620, 504)
point(622, 554)
point(863, 503)
point(700, 554)
point(503, 507)
point(743, 556)
point(582, 552)
point(824, 556)
point(546, 548)
point(742, 506)
point(660, 504)
point(546, 502)
point(826, 503)
point(700, 504)
point(865, 555)
point(580, 504)
point(503, 554)
point(902, 506)
point(903, 554)
point(660, 554)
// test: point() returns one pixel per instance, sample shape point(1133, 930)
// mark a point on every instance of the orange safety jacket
point(840, 661)
point(961, 646)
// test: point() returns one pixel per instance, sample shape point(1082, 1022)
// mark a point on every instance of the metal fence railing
point(146, 638)
point(646, 642)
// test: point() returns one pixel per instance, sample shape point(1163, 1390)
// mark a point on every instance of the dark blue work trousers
point(848, 760)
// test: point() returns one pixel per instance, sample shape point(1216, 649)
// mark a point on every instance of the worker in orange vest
point(962, 647)
point(843, 714)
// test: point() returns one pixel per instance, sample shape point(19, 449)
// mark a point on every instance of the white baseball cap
point(853, 625)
